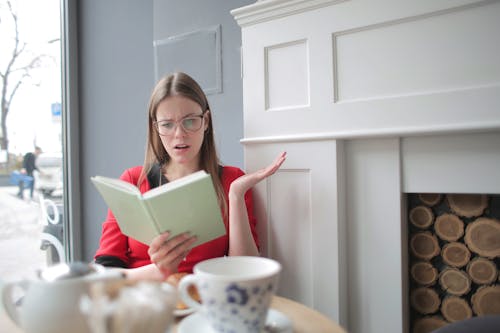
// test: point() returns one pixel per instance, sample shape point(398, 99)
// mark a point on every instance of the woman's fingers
point(157, 242)
point(279, 160)
point(169, 253)
point(245, 182)
point(169, 245)
point(267, 171)
point(271, 169)
point(168, 264)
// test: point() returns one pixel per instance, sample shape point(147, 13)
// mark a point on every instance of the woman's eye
point(168, 125)
point(188, 122)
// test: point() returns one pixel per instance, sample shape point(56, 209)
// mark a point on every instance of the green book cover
point(187, 204)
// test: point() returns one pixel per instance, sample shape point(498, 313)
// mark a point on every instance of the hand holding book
point(167, 253)
point(188, 204)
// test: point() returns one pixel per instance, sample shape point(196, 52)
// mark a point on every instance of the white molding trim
point(267, 10)
point(376, 133)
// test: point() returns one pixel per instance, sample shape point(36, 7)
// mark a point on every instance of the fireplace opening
point(454, 258)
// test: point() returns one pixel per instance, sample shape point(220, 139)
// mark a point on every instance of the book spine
point(147, 209)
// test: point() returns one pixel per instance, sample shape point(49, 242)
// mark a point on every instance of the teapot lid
point(64, 271)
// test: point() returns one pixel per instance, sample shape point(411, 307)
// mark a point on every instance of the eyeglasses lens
point(190, 124)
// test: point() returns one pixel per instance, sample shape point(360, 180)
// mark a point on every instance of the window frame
point(72, 227)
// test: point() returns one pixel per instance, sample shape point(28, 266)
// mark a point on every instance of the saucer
point(276, 322)
point(183, 312)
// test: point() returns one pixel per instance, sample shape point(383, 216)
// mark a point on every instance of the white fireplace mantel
point(371, 100)
point(265, 10)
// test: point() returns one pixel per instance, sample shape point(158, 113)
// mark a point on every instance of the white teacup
point(235, 291)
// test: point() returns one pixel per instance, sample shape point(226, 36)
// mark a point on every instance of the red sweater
point(135, 254)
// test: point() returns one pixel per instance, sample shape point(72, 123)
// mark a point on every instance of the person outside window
point(29, 166)
point(180, 141)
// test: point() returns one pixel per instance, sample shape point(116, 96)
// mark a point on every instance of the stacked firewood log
point(454, 245)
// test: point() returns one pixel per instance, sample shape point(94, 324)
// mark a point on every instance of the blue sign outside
point(56, 109)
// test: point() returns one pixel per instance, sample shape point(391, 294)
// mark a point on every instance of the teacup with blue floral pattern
point(235, 292)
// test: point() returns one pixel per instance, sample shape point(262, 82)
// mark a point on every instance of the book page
point(118, 184)
point(192, 207)
point(129, 210)
point(176, 183)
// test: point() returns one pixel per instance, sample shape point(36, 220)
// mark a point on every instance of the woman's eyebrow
point(183, 117)
point(192, 114)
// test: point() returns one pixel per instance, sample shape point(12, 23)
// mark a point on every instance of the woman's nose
point(179, 130)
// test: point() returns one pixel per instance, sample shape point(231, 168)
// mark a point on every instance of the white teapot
point(51, 304)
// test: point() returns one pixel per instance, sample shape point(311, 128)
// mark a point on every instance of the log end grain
point(449, 227)
point(430, 199)
point(455, 254)
point(467, 205)
point(486, 300)
point(482, 270)
point(421, 217)
point(425, 300)
point(424, 273)
point(455, 309)
point(483, 237)
point(424, 245)
point(454, 281)
point(428, 324)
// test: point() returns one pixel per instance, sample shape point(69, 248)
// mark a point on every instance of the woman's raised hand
point(241, 185)
point(167, 253)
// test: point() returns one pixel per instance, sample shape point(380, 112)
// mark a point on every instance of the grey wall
point(173, 18)
point(116, 75)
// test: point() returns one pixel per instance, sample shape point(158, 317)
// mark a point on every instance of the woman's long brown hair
point(181, 84)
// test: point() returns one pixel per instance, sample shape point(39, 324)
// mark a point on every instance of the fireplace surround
point(372, 100)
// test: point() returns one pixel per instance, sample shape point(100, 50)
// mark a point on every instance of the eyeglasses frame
point(201, 116)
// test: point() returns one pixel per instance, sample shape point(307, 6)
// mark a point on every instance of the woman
point(180, 142)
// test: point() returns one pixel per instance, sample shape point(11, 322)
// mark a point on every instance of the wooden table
point(304, 319)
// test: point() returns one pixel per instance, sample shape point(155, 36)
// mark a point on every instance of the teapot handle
point(184, 284)
point(10, 308)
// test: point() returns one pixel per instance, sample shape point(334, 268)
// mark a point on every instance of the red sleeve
point(113, 242)
point(228, 176)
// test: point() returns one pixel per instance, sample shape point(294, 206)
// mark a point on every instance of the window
point(35, 228)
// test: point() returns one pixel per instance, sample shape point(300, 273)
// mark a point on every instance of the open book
point(187, 204)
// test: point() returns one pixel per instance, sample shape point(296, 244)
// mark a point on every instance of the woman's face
point(176, 116)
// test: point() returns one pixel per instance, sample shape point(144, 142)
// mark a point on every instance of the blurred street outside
point(20, 229)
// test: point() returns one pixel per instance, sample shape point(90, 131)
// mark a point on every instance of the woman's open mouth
point(181, 146)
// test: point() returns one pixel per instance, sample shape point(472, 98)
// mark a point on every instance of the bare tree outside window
point(18, 65)
point(31, 180)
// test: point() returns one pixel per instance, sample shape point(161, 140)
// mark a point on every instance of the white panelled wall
point(371, 100)
point(299, 217)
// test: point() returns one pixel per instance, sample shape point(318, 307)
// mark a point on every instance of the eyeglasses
point(188, 124)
